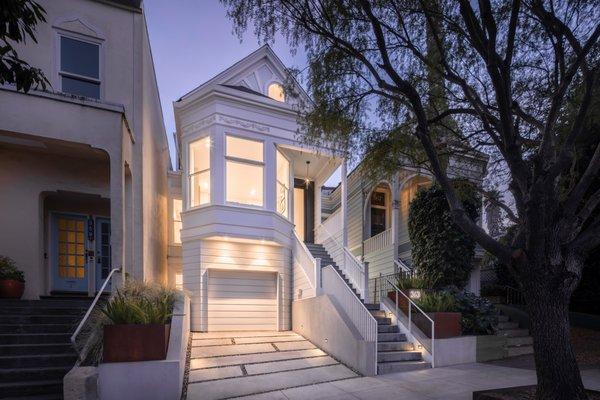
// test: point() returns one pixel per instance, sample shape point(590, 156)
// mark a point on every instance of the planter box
point(447, 324)
point(124, 343)
point(11, 289)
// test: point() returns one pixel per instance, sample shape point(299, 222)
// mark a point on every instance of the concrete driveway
point(225, 365)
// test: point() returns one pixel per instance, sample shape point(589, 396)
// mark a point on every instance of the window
point(177, 221)
point(379, 212)
point(244, 171)
point(199, 172)
point(80, 67)
point(276, 92)
point(283, 184)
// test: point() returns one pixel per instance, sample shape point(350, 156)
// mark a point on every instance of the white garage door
point(241, 301)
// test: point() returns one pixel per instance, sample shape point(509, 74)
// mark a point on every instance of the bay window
point(177, 221)
point(199, 172)
point(283, 184)
point(244, 171)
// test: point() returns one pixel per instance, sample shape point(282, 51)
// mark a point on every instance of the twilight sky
point(192, 41)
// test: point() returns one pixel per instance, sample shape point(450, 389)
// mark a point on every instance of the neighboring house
point(250, 189)
point(83, 165)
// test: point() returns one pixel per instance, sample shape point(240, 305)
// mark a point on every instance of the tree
point(18, 19)
point(509, 69)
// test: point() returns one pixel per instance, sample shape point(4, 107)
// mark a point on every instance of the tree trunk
point(557, 371)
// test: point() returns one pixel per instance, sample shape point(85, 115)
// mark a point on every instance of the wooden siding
point(381, 262)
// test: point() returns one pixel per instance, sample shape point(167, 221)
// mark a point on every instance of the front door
point(69, 264)
point(304, 198)
point(102, 239)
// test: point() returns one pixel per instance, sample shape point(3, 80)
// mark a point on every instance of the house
point(83, 165)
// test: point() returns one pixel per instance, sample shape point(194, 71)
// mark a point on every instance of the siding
point(301, 284)
point(381, 262)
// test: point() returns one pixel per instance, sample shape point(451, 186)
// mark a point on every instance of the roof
point(136, 4)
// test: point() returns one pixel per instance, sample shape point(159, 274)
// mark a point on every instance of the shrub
point(436, 302)
point(441, 252)
point(141, 304)
point(9, 270)
point(479, 316)
point(411, 282)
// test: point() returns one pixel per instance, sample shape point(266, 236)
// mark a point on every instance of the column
point(318, 188)
point(395, 214)
point(344, 202)
point(117, 220)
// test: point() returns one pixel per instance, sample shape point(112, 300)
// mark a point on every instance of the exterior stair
point(518, 341)
point(394, 352)
point(35, 351)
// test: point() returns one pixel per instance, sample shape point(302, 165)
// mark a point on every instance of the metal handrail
point(412, 304)
point(89, 311)
point(403, 267)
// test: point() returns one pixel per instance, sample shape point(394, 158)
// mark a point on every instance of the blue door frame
point(103, 251)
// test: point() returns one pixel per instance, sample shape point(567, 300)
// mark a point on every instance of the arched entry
point(378, 210)
point(408, 191)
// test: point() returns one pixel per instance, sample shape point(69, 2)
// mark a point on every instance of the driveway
point(225, 365)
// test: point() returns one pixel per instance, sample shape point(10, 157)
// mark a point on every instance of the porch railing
point(401, 266)
point(412, 317)
point(346, 261)
point(82, 353)
point(310, 266)
point(378, 242)
point(335, 286)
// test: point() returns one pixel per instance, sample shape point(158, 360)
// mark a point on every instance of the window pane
point(177, 209)
point(200, 188)
point(81, 58)
point(80, 88)
point(283, 169)
point(244, 148)
point(200, 155)
point(282, 199)
point(244, 183)
point(176, 232)
point(276, 92)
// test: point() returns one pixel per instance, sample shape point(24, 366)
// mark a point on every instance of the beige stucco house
point(83, 166)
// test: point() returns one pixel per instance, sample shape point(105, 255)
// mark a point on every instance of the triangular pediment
point(78, 26)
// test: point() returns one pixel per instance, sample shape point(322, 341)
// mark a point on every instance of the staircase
point(35, 351)
point(518, 341)
point(394, 352)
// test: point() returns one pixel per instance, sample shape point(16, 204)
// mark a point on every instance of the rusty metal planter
point(447, 324)
point(124, 343)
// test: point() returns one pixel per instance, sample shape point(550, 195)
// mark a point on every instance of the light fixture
point(307, 180)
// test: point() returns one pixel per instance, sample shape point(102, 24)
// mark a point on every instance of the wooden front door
point(69, 259)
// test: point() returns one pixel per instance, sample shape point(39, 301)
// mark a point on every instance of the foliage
point(441, 252)
point(437, 302)
point(18, 19)
point(479, 316)
point(492, 289)
point(412, 282)
point(501, 270)
point(9, 270)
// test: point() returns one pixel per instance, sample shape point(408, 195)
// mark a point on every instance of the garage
point(241, 300)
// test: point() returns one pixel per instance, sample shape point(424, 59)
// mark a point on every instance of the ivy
point(441, 252)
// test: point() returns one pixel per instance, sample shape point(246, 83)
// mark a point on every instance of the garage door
point(241, 301)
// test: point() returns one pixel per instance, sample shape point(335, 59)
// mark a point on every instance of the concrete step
point(39, 360)
point(391, 356)
point(395, 346)
point(32, 349)
point(42, 311)
point(372, 306)
point(30, 388)
point(34, 338)
point(513, 332)
point(55, 396)
point(39, 319)
point(513, 351)
point(387, 329)
point(401, 366)
point(508, 325)
point(391, 337)
point(519, 341)
point(33, 374)
point(378, 313)
point(383, 321)
point(36, 328)
point(257, 384)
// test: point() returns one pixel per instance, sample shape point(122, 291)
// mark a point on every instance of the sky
point(192, 41)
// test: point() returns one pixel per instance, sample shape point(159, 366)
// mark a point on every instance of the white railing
point(310, 266)
point(407, 318)
point(335, 286)
point(354, 270)
point(378, 242)
point(402, 267)
point(82, 354)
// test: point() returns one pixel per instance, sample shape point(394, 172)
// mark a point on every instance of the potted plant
point(12, 281)
point(139, 329)
point(441, 308)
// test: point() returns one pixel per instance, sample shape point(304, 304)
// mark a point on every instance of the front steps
point(35, 351)
point(394, 352)
point(518, 341)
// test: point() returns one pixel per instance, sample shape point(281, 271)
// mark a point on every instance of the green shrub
point(436, 302)
point(411, 282)
point(479, 316)
point(9, 270)
point(441, 252)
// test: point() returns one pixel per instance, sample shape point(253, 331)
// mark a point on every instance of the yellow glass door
point(69, 258)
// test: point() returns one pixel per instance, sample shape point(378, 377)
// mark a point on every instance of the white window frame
point(385, 207)
point(288, 187)
point(60, 33)
point(175, 218)
point(246, 162)
point(189, 174)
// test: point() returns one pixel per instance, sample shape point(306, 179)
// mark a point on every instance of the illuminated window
point(177, 221)
point(244, 171)
point(178, 281)
point(199, 172)
point(276, 92)
point(283, 184)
